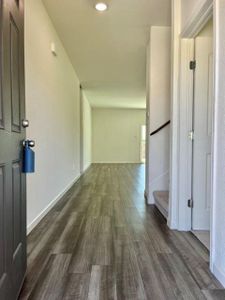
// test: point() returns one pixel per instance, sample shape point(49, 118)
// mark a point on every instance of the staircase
point(162, 202)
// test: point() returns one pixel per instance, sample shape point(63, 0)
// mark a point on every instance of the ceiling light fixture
point(100, 6)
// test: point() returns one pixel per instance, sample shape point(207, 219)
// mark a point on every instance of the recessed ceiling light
point(100, 6)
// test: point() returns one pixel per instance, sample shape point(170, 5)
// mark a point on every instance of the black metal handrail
point(160, 128)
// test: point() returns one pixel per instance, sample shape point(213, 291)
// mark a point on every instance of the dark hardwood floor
point(102, 242)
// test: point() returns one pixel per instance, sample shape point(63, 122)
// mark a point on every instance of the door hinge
point(190, 203)
point(191, 135)
point(192, 65)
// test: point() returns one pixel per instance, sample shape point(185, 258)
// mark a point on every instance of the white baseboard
point(171, 225)
point(219, 275)
point(117, 162)
point(44, 212)
point(86, 168)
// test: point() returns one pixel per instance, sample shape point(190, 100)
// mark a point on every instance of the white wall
point(207, 31)
point(218, 217)
point(116, 134)
point(52, 106)
point(86, 132)
point(159, 109)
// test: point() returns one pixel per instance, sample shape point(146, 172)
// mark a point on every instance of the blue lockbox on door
point(28, 159)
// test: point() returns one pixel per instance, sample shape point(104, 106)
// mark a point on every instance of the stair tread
point(162, 201)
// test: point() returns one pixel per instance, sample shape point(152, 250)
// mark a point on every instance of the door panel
point(14, 75)
point(1, 99)
point(16, 188)
point(202, 133)
point(12, 181)
point(2, 205)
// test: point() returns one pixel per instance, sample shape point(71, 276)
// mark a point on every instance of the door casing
point(181, 117)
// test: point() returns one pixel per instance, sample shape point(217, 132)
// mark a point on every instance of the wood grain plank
point(53, 280)
point(102, 284)
point(128, 278)
point(214, 294)
point(77, 287)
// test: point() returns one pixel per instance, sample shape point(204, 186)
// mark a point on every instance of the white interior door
point(202, 133)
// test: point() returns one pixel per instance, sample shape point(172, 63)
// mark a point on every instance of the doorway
point(202, 134)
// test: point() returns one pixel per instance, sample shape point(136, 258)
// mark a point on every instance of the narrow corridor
point(102, 242)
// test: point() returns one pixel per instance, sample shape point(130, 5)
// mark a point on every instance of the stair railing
point(160, 128)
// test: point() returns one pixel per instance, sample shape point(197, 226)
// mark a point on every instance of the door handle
point(25, 123)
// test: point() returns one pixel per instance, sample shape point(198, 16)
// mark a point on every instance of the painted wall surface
point(87, 132)
point(116, 135)
point(159, 109)
point(52, 106)
point(218, 216)
point(207, 31)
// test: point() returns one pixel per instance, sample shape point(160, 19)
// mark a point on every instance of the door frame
point(180, 215)
point(81, 133)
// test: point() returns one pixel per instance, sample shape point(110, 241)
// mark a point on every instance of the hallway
point(101, 242)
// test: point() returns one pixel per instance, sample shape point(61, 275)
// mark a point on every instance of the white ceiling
point(108, 50)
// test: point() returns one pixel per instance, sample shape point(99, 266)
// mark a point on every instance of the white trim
point(44, 212)
point(118, 162)
point(81, 132)
point(86, 168)
point(147, 122)
point(173, 198)
point(214, 166)
point(198, 20)
point(184, 143)
point(219, 275)
point(218, 192)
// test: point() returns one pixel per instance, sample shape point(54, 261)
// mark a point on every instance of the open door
point(12, 133)
point(202, 124)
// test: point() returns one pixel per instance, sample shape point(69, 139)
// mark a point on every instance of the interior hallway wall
point(159, 100)
point(87, 133)
point(116, 135)
point(207, 31)
point(52, 106)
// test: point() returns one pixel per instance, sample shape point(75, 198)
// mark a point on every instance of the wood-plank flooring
point(102, 242)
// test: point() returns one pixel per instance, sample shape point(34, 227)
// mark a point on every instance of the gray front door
point(12, 181)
